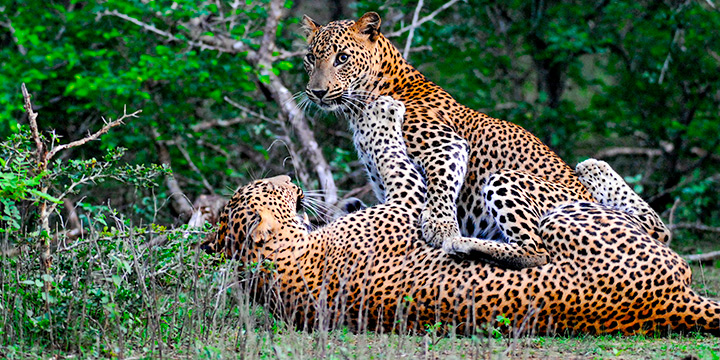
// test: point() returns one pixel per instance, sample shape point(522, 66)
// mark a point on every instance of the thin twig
point(194, 167)
point(423, 20)
point(253, 113)
point(671, 218)
point(627, 151)
point(283, 55)
point(171, 37)
point(413, 25)
point(666, 64)
point(180, 202)
point(108, 125)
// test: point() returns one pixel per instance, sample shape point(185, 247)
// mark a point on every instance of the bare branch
point(143, 25)
point(283, 55)
point(179, 201)
point(108, 125)
point(703, 257)
point(627, 151)
point(423, 20)
point(692, 226)
point(32, 118)
point(267, 45)
point(671, 218)
point(715, 177)
point(413, 25)
point(666, 63)
point(216, 123)
point(714, 55)
point(8, 25)
point(245, 109)
point(211, 44)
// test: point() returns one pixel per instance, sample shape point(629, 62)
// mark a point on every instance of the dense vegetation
point(94, 260)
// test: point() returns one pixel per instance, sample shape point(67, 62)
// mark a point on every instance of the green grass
point(113, 296)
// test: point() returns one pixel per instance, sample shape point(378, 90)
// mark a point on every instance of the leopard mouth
point(330, 104)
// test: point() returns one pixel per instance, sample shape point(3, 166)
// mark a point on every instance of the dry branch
point(32, 119)
point(186, 155)
point(8, 25)
point(422, 21)
point(251, 112)
point(698, 227)
point(413, 26)
point(178, 200)
point(216, 123)
point(108, 125)
point(627, 151)
point(703, 257)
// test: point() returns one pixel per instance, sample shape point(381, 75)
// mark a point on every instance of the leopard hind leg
point(609, 189)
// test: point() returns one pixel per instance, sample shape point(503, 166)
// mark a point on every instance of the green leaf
point(45, 196)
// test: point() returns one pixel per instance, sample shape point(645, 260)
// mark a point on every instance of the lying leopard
point(464, 154)
point(370, 270)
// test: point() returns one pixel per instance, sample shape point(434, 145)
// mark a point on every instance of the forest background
point(218, 82)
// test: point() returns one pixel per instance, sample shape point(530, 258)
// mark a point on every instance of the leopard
point(463, 154)
point(371, 270)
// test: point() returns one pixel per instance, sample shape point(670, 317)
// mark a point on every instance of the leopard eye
point(341, 59)
point(310, 58)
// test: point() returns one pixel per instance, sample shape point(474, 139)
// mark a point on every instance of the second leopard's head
point(340, 62)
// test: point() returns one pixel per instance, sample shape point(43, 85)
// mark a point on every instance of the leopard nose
point(319, 93)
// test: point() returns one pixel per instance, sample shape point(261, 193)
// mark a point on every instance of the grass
point(111, 295)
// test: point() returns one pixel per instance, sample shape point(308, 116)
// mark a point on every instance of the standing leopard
point(370, 270)
point(459, 149)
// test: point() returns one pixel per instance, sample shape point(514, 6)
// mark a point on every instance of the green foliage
point(582, 76)
point(112, 286)
point(23, 187)
point(640, 74)
point(87, 62)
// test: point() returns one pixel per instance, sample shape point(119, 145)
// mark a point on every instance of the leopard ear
point(368, 24)
point(310, 26)
point(264, 228)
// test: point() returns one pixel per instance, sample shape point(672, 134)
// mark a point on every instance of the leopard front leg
point(443, 156)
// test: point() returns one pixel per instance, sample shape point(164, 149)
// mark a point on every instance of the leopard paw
point(437, 231)
point(607, 186)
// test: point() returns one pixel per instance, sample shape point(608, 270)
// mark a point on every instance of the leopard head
point(341, 61)
point(259, 213)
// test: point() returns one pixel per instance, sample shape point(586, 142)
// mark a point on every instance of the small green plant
point(433, 333)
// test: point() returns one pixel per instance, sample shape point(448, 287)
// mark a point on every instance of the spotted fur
point(463, 153)
point(371, 270)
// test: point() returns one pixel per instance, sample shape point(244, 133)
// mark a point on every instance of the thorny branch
point(108, 125)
